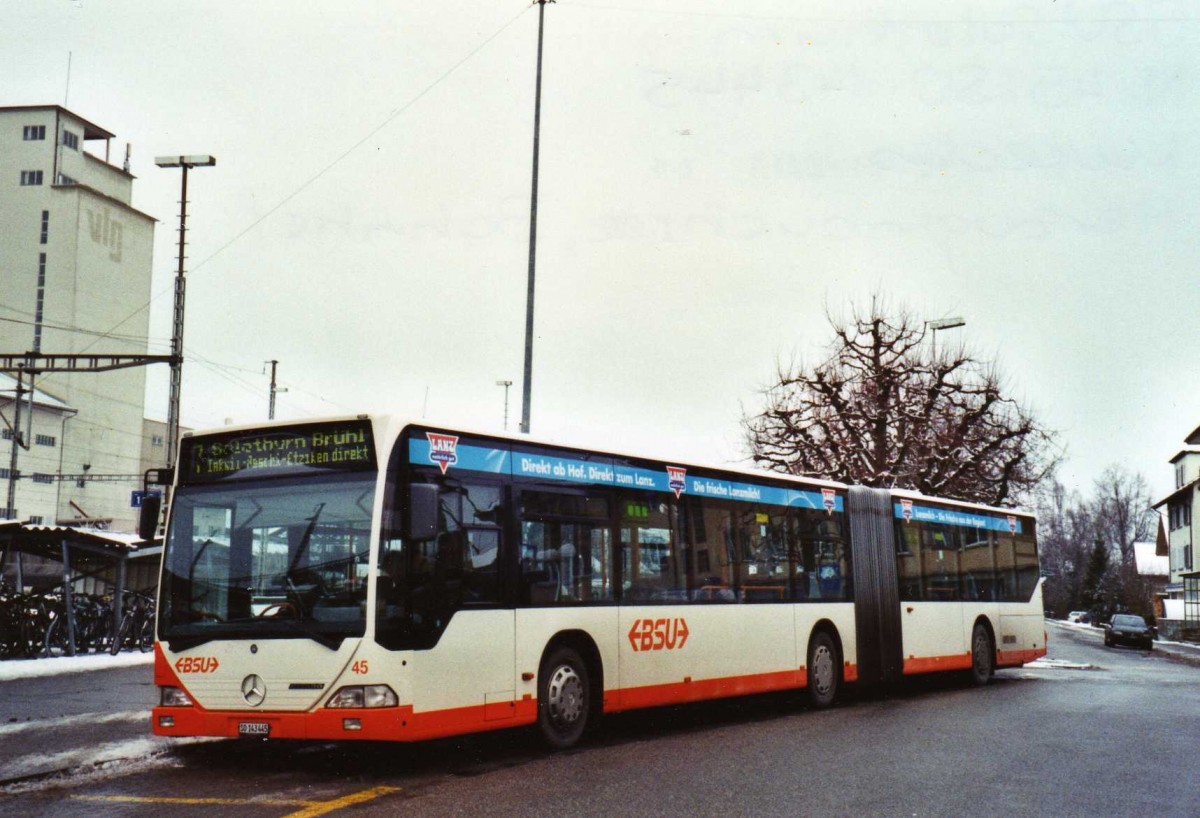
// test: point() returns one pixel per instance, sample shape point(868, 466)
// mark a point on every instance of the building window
point(5, 434)
point(71, 140)
point(43, 478)
point(45, 440)
point(31, 177)
point(156, 440)
point(37, 519)
point(34, 133)
point(45, 226)
point(40, 304)
point(4, 473)
point(64, 179)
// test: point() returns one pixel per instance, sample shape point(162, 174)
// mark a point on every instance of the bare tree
point(1086, 544)
point(882, 410)
point(1066, 533)
point(1121, 509)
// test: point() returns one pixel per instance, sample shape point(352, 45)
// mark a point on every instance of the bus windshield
point(261, 559)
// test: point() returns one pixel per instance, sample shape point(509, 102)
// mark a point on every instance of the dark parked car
point(1129, 629)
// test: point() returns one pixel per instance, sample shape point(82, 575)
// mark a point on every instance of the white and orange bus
point(367, 578)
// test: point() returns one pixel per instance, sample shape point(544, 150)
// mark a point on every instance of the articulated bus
point(367, 578)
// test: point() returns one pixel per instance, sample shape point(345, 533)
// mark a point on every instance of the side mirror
point(422, 512)
point(148, 516)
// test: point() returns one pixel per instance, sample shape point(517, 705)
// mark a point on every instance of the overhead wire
point(336, 161)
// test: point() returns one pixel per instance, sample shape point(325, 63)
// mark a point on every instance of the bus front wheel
point(983, 655)
point(564, 693)
point(823, 670)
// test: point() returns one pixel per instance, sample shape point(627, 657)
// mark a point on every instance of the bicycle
point(137, 625)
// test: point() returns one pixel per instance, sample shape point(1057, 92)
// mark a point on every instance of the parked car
point(1079, 616)
point(1129, 629)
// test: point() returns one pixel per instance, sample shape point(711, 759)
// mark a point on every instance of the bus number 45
point(359, 667)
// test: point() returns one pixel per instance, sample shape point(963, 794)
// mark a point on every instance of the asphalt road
point(1110, 731)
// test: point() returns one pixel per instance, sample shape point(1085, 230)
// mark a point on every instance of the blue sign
point(442, 449)
point(909, 511)
point(136, 498)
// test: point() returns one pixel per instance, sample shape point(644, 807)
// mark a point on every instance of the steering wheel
point(278, 609)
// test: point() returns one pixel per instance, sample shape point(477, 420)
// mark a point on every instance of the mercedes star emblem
point(253, 690)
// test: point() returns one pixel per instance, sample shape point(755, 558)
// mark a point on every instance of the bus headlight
point(360, 696)
point(174, 697)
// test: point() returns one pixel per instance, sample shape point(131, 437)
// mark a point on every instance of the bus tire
point(983, 655)
point(824, 670)
point(564, 693)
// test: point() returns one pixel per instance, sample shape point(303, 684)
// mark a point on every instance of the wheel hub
point(564, 695)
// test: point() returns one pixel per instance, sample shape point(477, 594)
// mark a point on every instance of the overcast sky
point(712, 182)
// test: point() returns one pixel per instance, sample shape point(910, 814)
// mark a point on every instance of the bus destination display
point(340, 446)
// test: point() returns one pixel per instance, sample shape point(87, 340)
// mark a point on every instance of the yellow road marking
point(323, 807)
point(311, 809)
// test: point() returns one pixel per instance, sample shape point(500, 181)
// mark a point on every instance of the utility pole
point(18, 443)
point(184, 162)
point(527, 387)
point(274, 389)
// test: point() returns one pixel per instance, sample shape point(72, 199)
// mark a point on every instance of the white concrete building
point(43, 420)
point(75, 274)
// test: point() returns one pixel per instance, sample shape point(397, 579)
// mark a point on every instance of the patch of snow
point(54, 666)
point(84, 756)
point(68, 721)
point(1046, 663)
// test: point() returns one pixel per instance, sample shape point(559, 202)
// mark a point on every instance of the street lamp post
point(943, 323)
point(275, 389)
point(186, 163)
point(506, 385)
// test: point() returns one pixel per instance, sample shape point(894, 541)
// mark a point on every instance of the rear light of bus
point(174, 697)
point(360, 696)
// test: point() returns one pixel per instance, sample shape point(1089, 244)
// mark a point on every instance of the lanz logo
point(1012, 523)
point(829, 499)
point(443, 449)
point(675, 479)
point(658, 634)
point(906, 510)
point(196, 664)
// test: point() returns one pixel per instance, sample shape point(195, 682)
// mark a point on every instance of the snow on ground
point(32, 668)
point(88, 719)
point(1057, 664)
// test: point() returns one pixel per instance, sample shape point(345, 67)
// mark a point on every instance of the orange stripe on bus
point(403, 724)
point(699, 690)
point(935, 664)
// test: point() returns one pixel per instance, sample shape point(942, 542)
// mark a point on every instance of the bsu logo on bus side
point(658, 634)
point(675, 479)
point(443, 449)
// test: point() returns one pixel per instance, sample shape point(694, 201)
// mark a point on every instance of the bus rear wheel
point(824, 677)
point(564, 698)
point(983, 656)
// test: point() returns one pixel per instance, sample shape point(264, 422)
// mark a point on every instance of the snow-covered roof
point(8, 389)
point(1149, 563)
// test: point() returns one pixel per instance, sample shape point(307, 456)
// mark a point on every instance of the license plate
point(254, 728)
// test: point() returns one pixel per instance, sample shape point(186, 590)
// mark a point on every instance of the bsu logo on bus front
point(443, 449)
point(658, 634)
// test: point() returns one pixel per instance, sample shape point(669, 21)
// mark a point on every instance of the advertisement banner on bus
point(447, 451)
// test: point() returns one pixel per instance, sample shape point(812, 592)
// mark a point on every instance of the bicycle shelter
point(84, 554)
